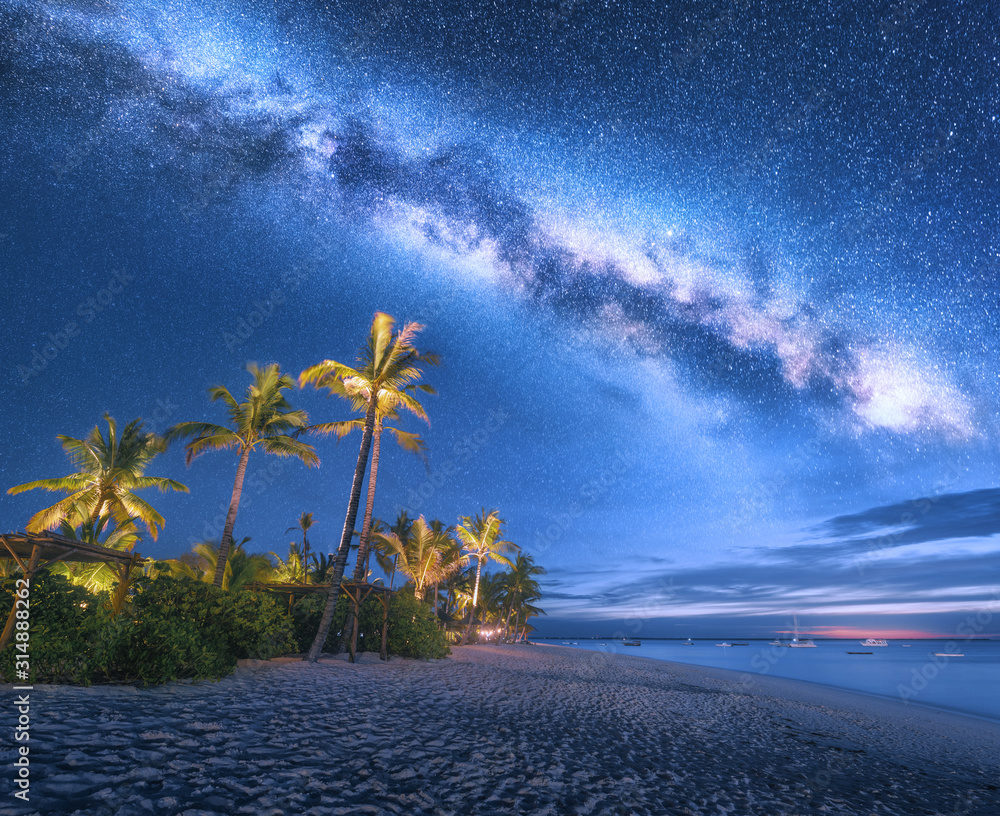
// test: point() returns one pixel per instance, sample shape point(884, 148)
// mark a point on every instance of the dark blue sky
point(714, 284)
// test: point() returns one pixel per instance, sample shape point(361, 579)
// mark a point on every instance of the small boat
point(740, 643)
point(874, 642)
point(805, 643)
point(949, 654)
point(777, 643)
point(631, 643)
point(861, 652)
point(688, 642)
point(724, 645)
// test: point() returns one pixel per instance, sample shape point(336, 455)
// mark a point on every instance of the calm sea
point(914, 671)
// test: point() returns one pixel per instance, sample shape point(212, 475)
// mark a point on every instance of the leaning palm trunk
point(345, 540)
point(361, 566)
point(227, 533)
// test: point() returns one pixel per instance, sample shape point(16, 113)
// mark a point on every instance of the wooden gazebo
point(35, 551)
point(357, 592)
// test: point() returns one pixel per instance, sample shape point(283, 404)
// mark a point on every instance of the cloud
point(928, 518)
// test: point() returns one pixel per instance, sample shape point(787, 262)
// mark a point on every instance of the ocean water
point(910, 671)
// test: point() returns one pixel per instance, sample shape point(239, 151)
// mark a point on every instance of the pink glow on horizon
point(874, 632)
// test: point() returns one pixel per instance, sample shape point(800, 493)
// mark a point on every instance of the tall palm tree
point(480, 537)
point(305, 522)
point(388, 371)
point(109, 469)
point(421, 557)
point(263, 420)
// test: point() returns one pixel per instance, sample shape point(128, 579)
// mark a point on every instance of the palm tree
point(385, 412)
point(480, 537)
point(240, 568)
point(305, 522)
point(421, 556)
point(322, 567)
point(389, 368)
point(385, 554)
point(95, 577)
point(452, 557)
point(287, 570)
point(109, 469)
point(262, 420)
point(523, 588)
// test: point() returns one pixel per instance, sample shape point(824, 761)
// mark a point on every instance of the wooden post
point(29, 572)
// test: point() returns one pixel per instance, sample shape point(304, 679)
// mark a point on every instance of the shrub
point(61, 617)
point(413, 632)
point(171, 628)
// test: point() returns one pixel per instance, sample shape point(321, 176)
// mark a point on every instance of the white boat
point(874, 642)
point(778, 642)
point(724, 645)
point(688, 642)
point(804, 643)
point(631, 643)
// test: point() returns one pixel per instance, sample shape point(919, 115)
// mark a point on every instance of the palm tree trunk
point(361, 565)
point(345, 539)
point(366, 526)
point(227, 533)
point(475, 598)
point(305, 559)
point(392, 576)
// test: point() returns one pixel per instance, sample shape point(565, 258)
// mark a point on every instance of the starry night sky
point(715, 285)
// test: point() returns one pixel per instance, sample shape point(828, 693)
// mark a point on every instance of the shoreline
point(816, 683)
point(892, 701)
point(501, 729)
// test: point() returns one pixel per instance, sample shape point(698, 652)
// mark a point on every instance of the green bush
point(61, 620)
point(171, 628)
point(413, 631)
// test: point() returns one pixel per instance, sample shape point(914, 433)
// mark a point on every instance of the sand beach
point(498, 730)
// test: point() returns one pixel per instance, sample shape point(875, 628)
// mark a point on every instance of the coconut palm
point(421, 556)
point(388, 371)
point(95, 577)
point(108, 470)
point(288, 570)
point(263, 420)
point(240, 568)
point(385, 412)
point(480, 537)
point(305, 522)
point(322, 567)
point(522, 588)
point(384, 554)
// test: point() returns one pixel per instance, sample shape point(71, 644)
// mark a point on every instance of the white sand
point(498, 730)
